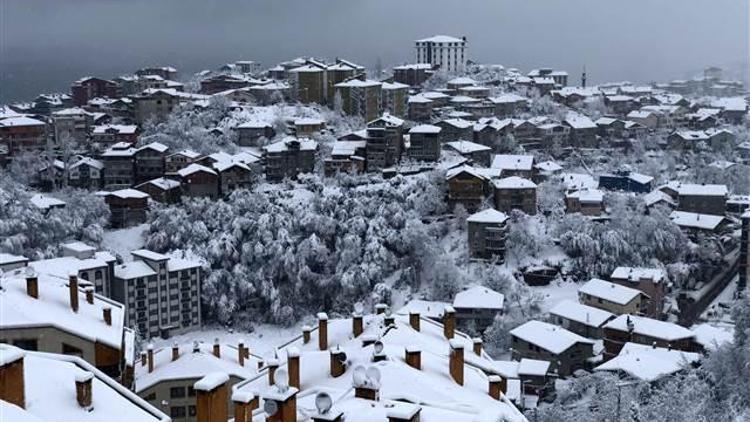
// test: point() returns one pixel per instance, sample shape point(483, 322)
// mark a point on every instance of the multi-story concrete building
point(162, 293)
point(149, 162)
point(289, 157)
point(412, 74)
point(89, 88)
point(309, 83)
point(444, 52)
point(385, 138)
point(119, 166)
point(73, 124)
point(360, 98)
point(394, 99)
point(515, 193)
point(424, 143)
point(23, 134)
point(486, 230)
point(339, 72)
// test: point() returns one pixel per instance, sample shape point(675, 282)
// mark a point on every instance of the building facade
point(444, 52)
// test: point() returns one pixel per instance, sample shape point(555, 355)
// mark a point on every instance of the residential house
point(515, 193)
point(508, 105)
point(119, 166)
point(584, 320)
point(647, 363)
point(72, 124)
point(167, 72)
point(424, 143)
point(486, 231)
point(309, 83)
point(150, 162)
point(250, 133)
point(43, 313)
point(456, 130)
point(478, 306)
point(10, 262)
point(86, 173)
point(582, 131)
point(52, 386)
point(566, 351)
point(108, 135)
point(127, 207)
point(308, 126)
point(385, 138)
point(199, 180)
point(477, 153)
point(162, 293)
point(695, 223)
point(744, 268)
point(636, 329)
point(157, 104)
point(467, 187)
point(515, 165)
point(626, 181)
point(559, 77)
point(647, 118)
point(233, 175)
point(88, 88)
point(588, 202)
point(651, 281)
point(346, 157)
point(22, 134)
point(412, 74)
point(420, 108)
point(360, 98)
point(289, 157)
point(699, 198)
point(445, 52)
point(95, 268)
point(613, 297)
point(161, 189)
point(179, 160)
point(394, 99)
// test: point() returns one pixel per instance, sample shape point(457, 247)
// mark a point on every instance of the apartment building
point(444, 52)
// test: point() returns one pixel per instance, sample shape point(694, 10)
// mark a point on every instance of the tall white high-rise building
point(447, 53)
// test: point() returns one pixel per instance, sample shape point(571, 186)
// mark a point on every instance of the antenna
point(323, 402)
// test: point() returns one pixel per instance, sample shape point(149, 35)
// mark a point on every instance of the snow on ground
point(556, 292)
point(720, 307)
point(123, 241)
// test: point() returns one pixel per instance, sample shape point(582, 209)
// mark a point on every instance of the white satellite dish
point(373, 375)
point(388, 312)
point(323, 402)
point(358, 307)
point(359, 376)
point(270, 407)
point(378, 346)
point(29, 272)
point(281, 378)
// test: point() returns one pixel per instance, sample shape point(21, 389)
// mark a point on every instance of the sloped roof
point(610, 292)
point(547, 336)
point(584, 314)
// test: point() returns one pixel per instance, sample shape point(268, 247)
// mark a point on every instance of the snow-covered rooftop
point(648, 363)
point(430, 129)
point(513, 162)
point(45, 202)
point(587, 196)
point(584, 314)
point(514, 182)
point(547, 336)
point(610, 292)
point(441, 39)
point(490, 215)
point(479, 297)
point(693, 189)
point(711, 336)
point(129, 194)
point(134, 269)
point(467, 147)
point(163, 183)
point(650, 327)
point(636, 274)
point(695, 220)
point(194, 168)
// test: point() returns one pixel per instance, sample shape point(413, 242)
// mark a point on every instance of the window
point(192, 411)
point(177, 411)
point(151, 397)
point(191, 391)
point(177, 392)
point(71, 350)
point(26, 344)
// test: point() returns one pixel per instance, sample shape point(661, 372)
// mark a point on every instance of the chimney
point(449, 322)
point(144, 359)
point(292, 366)
point(389, 319)
point(357, 326)
point(175, 351)
point(150, 353)
point(338, 362)
point(322, 331)
point(241, 352)
point(211, 399)
point(107, 315)
point(73, 288)
point(12, 387)
point(217, 348)
point(32, 286)
point(89, 295)
point(272, 365)
point(286, 404)
point(498, 385)
point(414, 320)
point(477, 346)
point(244, 403)
point(414, 357)
point(380, 308)
point(403, 412)
point(306, 334)
point(456, 361)
point(83, 388)
point(260, 364)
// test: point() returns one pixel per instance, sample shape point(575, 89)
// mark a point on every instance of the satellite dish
point(29, 272)
point(387, 312)
point(341, 356)
point(378, 346)
point(270, 407)
point(281, 377)
point(323, 402)
point(358, 307)
point(359, 376)
point(373, 375)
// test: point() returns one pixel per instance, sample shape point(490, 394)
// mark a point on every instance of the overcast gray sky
point(45, 44)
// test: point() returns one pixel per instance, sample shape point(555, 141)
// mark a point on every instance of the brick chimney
point(498, 385)
point(456, 361)
point(272, 365)
point(477, 346)
point(286, 404)
point(211, 398)
point(413, 356)
point(338, 362)
point(73, 289)
point(89, 295)
point(322, 331)
point(380, 308)
point(83, 388)
point(150, 353)
point(414, 320)
point(244, 403)
point(241, 352)
point(32, 286)
point(292, 366)
point(357, 326)
point(175, 351)
point(306, 329)
point(217, 348)
point(107, 315)
point(12, 376)
point(449, 322)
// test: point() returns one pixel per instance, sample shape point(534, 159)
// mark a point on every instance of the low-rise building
point(424, 143)
point(582, 131)
point(701, 199)
point(88, 88)
point(585, 201)
point(515, 193)
point(127, 207)
point(168, 191)
point(414, 74)
point(515, 165)
point(72, 124)
point(627, 181)
point(420, 108)
point(612, 297)
point(651, 281)
point(385, 138)
point(250, 133)
point(486, 231)
point(119, 166)
point(478, 306)
point(744, 268)
point(456, 130)
point(179, 160)
point(346, 157)
point(566, 351)
point(162, 293)
point(23, 134)
point(467, 187)
point(642, 330)
point(477, 153)
point(648, 363)
point(581, 319)
point(149, 161)
point(199, 180)
point(308, 126)
point(695, 223)
point(108, 135)
point(289, 157)
point(86, 173)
